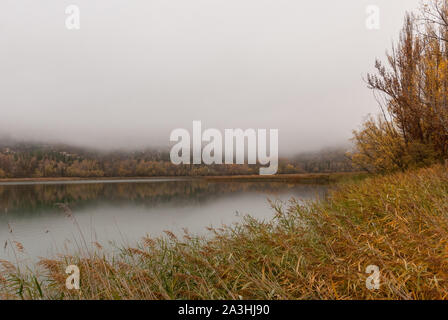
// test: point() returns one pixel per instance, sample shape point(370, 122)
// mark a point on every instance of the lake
point(123, 211)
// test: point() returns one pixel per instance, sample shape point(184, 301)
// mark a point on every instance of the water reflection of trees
point(30, 198)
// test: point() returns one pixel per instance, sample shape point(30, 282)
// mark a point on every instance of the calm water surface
point(122, 212)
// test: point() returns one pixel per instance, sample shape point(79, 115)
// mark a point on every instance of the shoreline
point(296, 177)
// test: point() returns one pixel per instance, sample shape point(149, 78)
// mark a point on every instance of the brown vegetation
point(413, 88)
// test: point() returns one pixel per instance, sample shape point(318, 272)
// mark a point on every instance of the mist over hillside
point(24, 159)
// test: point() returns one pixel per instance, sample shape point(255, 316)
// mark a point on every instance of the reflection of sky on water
point(124, 212)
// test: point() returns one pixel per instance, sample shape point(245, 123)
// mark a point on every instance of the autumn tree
point(412, 90)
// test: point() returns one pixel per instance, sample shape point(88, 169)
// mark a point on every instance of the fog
point(138, 69)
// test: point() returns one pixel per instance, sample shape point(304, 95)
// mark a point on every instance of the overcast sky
point(137, 69)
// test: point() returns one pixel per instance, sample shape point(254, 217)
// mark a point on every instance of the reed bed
point(314, 250)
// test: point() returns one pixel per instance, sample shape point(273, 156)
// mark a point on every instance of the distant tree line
point(37, 161)
point(324, 161)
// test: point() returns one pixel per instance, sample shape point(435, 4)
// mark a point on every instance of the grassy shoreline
point(293, 178)
point(320, 177)
point(321, 250)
